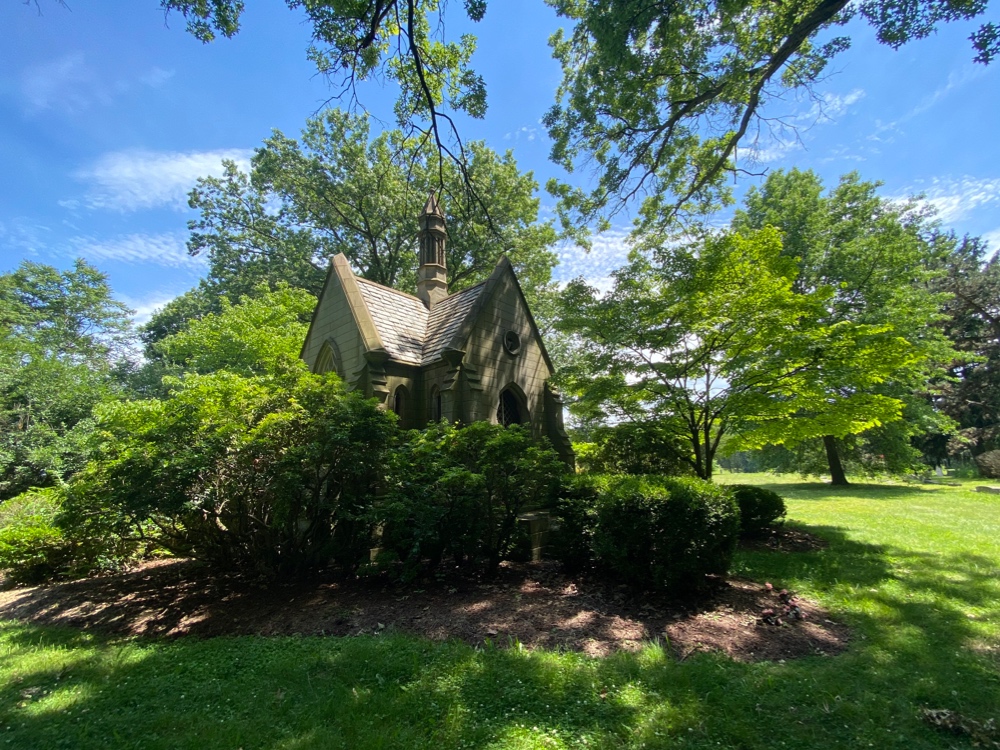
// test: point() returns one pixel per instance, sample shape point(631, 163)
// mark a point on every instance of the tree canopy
point(810, 318)
point(61, 336)
point(880, 259)
point(657, 96)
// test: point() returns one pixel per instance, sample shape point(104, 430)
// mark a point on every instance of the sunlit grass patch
point(912, 569)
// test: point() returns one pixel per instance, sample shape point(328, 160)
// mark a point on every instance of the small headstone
point(988, 488)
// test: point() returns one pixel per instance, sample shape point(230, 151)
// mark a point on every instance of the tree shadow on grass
point(913, 649)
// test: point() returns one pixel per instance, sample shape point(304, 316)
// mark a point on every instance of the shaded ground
point(535, 604)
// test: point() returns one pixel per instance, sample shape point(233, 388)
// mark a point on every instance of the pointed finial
point(431, 207)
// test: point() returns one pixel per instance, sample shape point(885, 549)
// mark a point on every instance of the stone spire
point(432, 275)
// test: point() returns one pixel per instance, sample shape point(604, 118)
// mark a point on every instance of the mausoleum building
point(464, 357)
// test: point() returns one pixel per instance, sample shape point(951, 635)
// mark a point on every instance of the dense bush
point(571, 540)
point(271, 473)
point(32, 547)
point(651, 532)
point(634, 448)
point(457, 492)
point(39, 543)
point(759, 508)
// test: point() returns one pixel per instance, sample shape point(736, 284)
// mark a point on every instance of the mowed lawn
point(915, 570)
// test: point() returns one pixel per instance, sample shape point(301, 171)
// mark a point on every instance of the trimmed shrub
point(759, 508)
point(457, 492)
point(571, 539)
point(651, 532)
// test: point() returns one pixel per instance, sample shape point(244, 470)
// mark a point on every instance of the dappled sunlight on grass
point(914, 571)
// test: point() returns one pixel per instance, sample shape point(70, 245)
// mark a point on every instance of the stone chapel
point(464, 357)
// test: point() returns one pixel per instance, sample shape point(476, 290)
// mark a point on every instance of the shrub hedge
point(759, 508)
point(651, 532)
point(457, 492)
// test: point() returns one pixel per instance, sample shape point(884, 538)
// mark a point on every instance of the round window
point(512, 342)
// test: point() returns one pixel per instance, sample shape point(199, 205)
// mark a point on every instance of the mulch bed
point(534, 604)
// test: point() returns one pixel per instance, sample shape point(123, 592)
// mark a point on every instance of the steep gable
point(487, 312)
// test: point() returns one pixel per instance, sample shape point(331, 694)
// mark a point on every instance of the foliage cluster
point(759, 507)
point(646, 447)
point(649, 531)
point(269, 473)
point(61, 333)
point(458, 491)
point(40, 540)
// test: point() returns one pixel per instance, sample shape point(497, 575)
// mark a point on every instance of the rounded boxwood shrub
point(665, 532)
point(759, 508)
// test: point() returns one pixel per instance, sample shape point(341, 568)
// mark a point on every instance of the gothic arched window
point(510, 410)
point(435, 404)
point(327, 361)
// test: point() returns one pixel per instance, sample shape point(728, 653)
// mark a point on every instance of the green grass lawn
point(914, 570)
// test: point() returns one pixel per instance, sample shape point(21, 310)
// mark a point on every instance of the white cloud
point(830, 106)
point(22, 236)
point(67, 83)
point(610, 251)
point(152, 249)
point(138, 179)
point(780, 136)
point(71, 85)
point(992, 240)
point(956, 80)
point(777, 149)
point(156, 77)
point(955, 199)
point(525, 132)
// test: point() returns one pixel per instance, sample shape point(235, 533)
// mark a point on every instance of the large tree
point(62, 335)
point(811, 319)
point(659, 96)
point(694, 338)
point(338, 189)
point(878, 257)
point(972, 396)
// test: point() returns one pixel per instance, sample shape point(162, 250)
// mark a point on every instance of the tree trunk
point(837, 475)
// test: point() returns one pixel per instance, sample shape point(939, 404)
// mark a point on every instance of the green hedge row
point(657, 532)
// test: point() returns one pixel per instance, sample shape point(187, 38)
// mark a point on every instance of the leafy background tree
point(972, 395)
point(880, 259)
point(63, 342)
point(340, 190)
point(692, 337)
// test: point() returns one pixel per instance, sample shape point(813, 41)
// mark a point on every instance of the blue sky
point(110, 111)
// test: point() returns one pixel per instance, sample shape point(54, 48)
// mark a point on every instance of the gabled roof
point(399, 324)
point(401, 320)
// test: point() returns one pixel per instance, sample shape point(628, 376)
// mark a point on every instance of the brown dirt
point(535, 604)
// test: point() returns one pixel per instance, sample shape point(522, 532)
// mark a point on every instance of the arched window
point(435, 410)
point(327, 361)
point(399, 402)
point(511, 410)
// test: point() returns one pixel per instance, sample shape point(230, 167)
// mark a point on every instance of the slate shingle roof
point(446, 318)
point(408, 331)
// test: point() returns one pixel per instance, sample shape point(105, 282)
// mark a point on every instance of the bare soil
point(534, 604)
